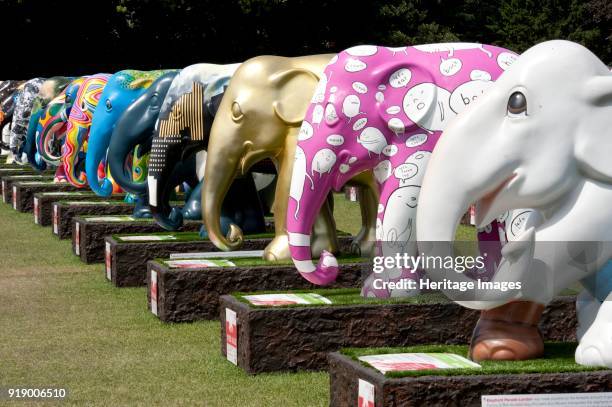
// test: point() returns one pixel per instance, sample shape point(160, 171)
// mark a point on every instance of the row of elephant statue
point(424, 131)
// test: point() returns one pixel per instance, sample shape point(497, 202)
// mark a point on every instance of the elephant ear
point(593, 139)
point(396, 79)
point(294, 90)
point(142, 83)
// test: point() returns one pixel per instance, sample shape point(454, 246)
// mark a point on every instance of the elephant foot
point(508, 332)
point(191, 214)
point(322, 242)
point(363, 246)
point(595, 348)
point(142, 213)
point(364, 243)
point(203, 233)
point(278, 249)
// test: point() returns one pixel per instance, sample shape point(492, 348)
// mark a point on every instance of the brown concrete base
point(126, 261)
point(63, 212)
point(43, 203)
point(7, 184)
point(23, 192)
point(186, 295)
point(299, 338)
point(88, 236)
point(458, 390)
point(15, 170)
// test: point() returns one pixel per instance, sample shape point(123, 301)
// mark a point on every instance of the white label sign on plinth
point(231, 336)
point(55, 219)
point(36, 210)
point(555, 399)
point(154, 292)
point(365, 396)
point(107, 260)
point(15, 197)
point(77, 239)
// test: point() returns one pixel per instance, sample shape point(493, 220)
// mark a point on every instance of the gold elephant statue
point(259, 118)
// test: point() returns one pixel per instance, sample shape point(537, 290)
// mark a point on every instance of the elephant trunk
point(118, 152)
point(30, 145)
point(163, 162)
point(443, 200)
point(301, 215)
point(95, 155)
point(43, 140)
point(72, 157)
point(220, 173)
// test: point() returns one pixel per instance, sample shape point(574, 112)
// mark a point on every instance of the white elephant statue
point(548, 121)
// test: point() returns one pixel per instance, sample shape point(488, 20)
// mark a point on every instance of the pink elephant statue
point(383, 109)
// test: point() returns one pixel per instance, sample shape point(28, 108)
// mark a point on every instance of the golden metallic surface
point(188, 111)
point(259, 117)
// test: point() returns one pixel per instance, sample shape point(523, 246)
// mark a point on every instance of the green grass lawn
point(63, 325)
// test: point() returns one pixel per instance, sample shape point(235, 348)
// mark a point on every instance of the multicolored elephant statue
point(52, 124)
point(381, 109)
point(50, 89)
point(79, 123)
point(8, 94)
point(21, 117)
point(550, 114)
point(7, 100)
point(132, 136)
point(258, 120)
point(183, 131)
point(122, 88)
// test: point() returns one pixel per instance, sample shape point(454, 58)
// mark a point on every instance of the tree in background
point(68, 38)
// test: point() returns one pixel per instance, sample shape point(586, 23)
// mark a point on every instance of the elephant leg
point(244, 206)
point(395, 235)
point(324, 234)
point(364, 243)
point(595, 348)
point(193, 204)
point(508, 332)
point(141, 207)
point(241, 206)
point(278, 248)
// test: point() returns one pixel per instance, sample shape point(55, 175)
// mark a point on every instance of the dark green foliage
point(70, 38)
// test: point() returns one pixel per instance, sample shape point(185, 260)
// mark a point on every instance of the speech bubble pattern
point(505, 59)
point(360, 123)
point(323, 161)
point(427, 105)
point(383, 170)
point(331, 116)
point(400, 78)
point(385, 109)
point(335, 140)
point(317, 114)
point(306, 131)
point(449, 67)
point(467, 93)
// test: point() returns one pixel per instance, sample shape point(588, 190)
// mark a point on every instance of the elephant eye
point(109, 105)
point(154, 103)
point(236, 112)
point(517, 104)
point(84, 106)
